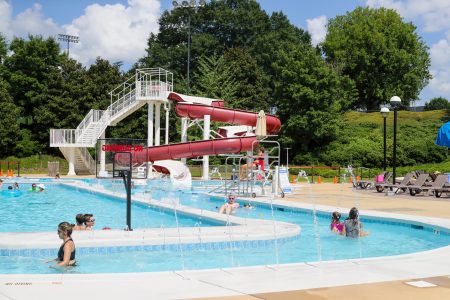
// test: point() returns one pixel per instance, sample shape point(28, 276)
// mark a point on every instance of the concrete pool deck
point(383, 276)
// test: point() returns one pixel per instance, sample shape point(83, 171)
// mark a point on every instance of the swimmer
point(33, 187)
point(248, 206)
point(80, 220)
point(89, 221)
point(66, 253)
point(230, 206)
point(352, 225)
point(41, 187)
point(336, 225)
point(16, 186)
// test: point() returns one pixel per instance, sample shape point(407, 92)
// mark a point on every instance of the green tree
point(437, 103)
point(252, 92)
point(9, 125)
point(215, 79)
point(311, 99)
point(383, 55)
point(240, 31)
point(32, 70)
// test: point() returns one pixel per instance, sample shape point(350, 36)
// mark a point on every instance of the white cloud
point(440, 62)
point(113, 31)
point(30, 21)
point(5, 18)
point(434, 13)
point(317, 27)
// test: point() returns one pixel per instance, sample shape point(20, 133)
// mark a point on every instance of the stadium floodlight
point(69, 39)
point(189, 4)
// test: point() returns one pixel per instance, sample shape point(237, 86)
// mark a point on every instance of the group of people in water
point(15, 186)
point(66, 253)
point(351, 227)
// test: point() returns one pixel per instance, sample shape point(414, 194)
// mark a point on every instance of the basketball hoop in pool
point(113, 156)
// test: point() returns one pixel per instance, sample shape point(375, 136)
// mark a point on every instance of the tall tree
point(311, 99)
point(437, 103)
point(9, 125)
point(383, 55)
point(32, 70)
point(252, 91)
point(215, 79)
point(247, 37)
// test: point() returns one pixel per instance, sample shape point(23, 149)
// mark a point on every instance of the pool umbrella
point(443, 136)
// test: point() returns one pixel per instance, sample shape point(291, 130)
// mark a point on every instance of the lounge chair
point(403, 185)
point(368, 184)
point(436, 185)
point(445, 189)
point(419, 184)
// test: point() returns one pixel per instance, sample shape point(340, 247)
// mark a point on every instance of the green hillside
point(360, 140)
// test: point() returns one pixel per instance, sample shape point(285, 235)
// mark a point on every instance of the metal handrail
point(86, 156)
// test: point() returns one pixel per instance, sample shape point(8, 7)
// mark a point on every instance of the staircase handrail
point(123, 88)
point(124, 102)
point(86, 156)
point(64, 136)
point(93, 116)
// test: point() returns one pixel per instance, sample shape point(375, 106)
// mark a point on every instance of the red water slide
point(207, 147)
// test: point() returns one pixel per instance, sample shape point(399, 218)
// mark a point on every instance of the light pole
point(69, 39)
point(287, 158)
point(395, 101)
point(191, 4)
point(384, 113)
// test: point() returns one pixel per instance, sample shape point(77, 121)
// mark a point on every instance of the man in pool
point(89, 221)
point(230, 206)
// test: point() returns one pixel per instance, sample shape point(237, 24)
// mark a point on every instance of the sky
point(118, 30)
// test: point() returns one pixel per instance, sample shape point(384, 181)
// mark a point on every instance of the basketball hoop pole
point(126, 175)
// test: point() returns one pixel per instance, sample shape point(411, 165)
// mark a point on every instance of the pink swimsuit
point(337, 226)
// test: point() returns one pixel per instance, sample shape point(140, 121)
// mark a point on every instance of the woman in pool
point(336, 225)
point(352, 225)
point(66, 253)
point(80, 220)
point(230, 206)
point(89, 221)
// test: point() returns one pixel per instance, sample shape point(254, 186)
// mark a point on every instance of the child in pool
point(336, 225)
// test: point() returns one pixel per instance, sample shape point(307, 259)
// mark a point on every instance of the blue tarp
point(443, 136)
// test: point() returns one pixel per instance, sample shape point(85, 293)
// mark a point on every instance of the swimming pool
point(315, 243)
point(27, 211)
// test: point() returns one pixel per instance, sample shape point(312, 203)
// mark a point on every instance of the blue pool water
point(315, 243)
point(26, 211)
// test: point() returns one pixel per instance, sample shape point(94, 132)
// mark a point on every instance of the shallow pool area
point(204, 239)
point(28, 211)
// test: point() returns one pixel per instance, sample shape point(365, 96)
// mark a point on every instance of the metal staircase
point(146, 85)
